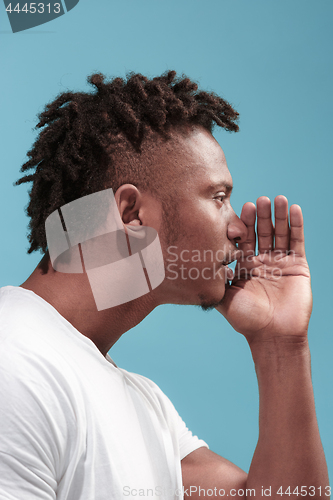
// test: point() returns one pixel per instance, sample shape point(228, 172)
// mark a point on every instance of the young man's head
point(151, 142)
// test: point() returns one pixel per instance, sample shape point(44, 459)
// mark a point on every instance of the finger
point(281, 223)
point(296, 231)
point(248, 216)
point(265, 228)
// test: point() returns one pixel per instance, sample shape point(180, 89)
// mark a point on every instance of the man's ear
point(128, 199)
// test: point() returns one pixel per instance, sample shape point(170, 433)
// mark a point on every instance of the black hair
point(75, 152)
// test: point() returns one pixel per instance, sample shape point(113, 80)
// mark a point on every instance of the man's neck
point(71, 296)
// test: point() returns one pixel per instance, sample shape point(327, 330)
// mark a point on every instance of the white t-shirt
point(73, 425)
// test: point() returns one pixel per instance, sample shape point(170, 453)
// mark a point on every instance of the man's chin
point(209, 303)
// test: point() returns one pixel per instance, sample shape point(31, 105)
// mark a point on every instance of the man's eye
point(220, 197)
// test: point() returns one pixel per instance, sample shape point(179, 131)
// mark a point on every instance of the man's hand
point(270, 296)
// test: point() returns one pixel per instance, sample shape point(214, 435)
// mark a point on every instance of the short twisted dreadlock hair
point(86, 137)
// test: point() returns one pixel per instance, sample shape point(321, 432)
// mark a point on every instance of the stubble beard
point(172, 229)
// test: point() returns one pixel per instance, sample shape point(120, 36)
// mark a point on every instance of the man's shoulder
point(22, 310)
point(149, 389)
point(28, 321)
point(36, 343)
point(22, 324)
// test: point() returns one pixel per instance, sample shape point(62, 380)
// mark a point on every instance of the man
point(75, 425)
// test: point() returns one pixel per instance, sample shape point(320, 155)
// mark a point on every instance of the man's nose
point(237, 230)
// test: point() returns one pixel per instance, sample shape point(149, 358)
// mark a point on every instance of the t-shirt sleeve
point(187, 442)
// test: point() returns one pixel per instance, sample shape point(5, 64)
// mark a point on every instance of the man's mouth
point(231, 258)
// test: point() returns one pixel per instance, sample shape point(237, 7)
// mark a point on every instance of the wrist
point(283, 348)
point(283, 369)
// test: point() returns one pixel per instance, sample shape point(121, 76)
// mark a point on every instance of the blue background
point(273, 61)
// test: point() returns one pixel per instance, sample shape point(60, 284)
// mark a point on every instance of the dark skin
point(272, 313)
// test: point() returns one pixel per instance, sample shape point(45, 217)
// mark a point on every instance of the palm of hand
point(270, 295)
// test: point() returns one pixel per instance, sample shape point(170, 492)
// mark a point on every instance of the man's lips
point(232, 257)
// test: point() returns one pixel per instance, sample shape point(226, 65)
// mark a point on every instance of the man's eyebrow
point(225, 185)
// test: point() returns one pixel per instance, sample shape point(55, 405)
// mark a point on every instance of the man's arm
point(271, 307)
point(203, 470)
point(289, 451)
